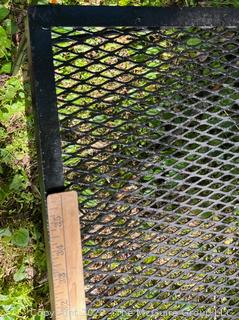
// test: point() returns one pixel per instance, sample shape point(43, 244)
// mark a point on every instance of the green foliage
point(5, 232)
point(124, 2)
point(193, 42)
point(24, 256)
point(13, 143)
point(5, 43)
point(7, 28)
point(15, 302)
point(21, 237)
point(22, 250)
point(20, 274)
point(4, 12)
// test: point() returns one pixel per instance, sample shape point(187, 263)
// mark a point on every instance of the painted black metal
point(132, 16)
point(147, 135)
point(42, 18)
point(45, 109)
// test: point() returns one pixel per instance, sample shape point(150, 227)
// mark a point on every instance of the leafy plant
point(21, 237)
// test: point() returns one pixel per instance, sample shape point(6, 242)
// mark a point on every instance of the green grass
point(23, 279)
point(22, 263)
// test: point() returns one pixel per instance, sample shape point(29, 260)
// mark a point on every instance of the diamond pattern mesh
point(149, 127)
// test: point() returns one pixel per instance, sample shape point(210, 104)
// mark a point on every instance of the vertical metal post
point(45, 107)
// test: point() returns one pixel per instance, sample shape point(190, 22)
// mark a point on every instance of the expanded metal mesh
point(149, 128)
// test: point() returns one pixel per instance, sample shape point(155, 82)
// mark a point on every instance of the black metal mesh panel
point(149, 125)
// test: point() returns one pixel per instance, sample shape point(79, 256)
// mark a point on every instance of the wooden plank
point(66, 257)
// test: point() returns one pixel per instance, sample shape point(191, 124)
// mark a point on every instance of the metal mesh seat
point(148, 119)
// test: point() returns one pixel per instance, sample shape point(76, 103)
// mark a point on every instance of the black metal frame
point(40, 21)
point(47, 16)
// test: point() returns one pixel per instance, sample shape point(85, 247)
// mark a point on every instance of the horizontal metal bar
point(59, 15)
